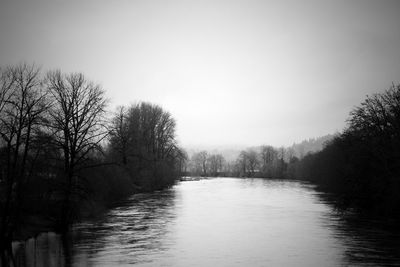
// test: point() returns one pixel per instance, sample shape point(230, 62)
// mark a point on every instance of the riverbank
point(104, 194)
point(34, 224)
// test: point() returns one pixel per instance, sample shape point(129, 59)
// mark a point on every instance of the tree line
point(63, 155)
point(264, 162)
point(360, 166)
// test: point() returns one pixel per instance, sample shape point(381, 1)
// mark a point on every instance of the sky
point(230, 72)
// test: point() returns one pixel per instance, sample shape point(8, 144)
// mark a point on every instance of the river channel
point(220, 222)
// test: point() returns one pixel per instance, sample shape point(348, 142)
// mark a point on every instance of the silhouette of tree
point(252, 162)
point(200, 162)
point(216, 162)
point(120, 134)
point(362, 165)
point(22, 106)
point(143, 137)
point(242, 163)
point(77, 128)
point(268, 156)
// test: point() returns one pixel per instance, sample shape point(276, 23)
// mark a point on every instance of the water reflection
point(221, 222)
point(120, 237)
point(367, 241)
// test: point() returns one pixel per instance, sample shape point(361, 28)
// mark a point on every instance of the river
point(220, 222)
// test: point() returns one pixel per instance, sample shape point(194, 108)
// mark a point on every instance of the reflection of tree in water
point(373, 242)
point(45, 250)
point(123, 235)
point(367, 241)
point(139, 229)
point(135, 228)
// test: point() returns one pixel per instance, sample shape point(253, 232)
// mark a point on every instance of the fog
point(273, 72)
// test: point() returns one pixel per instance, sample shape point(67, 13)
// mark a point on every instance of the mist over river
point(220, 222)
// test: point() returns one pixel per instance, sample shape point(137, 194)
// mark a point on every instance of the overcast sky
point(230, 72)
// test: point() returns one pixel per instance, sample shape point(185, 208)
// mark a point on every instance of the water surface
point(220, 222)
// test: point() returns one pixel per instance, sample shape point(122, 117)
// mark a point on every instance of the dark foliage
point(362, 165)
point(142, 140)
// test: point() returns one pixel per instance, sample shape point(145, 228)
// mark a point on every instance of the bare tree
point(242, 163)
point(120, 135)
point(215, 162)
point(77, 126)
point(143, 137)
point(200, 160)
point(203, 159)
point(147, 130)
point(183, 162)
point(377, 116)
point(376, 123)
point(268, 159)
point(196, 167)
point(22, 106)
point(7, 81)
point(165, 133)
point(252, 159)
point(268, 156)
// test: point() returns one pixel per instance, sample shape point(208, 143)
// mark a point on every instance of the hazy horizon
point(232, 73)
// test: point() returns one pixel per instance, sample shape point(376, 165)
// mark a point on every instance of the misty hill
point(310, 145)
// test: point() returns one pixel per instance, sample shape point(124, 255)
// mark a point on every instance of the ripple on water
point(221, 222)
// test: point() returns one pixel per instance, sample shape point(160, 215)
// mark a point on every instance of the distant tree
point(281, 165)
point(306, 146)
point(268, 157)
point(200, 162)
point(216, 162)
point(242, 163)
point(220, 162)
point(203, 155)
point(183, 162)
point(292, 167)
point(289, 154)
point(252, 162)
point(195, 165)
